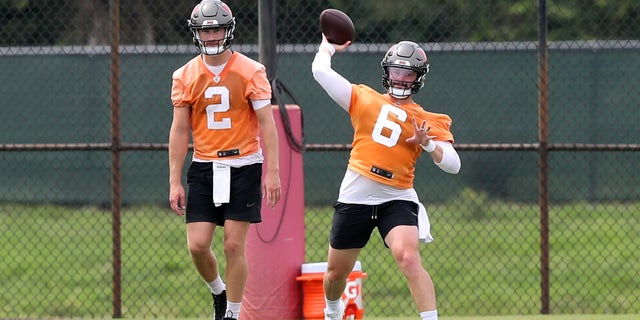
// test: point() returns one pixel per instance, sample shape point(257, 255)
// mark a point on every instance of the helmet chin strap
point(209, 50)
point(212, 51)
point(399, 93)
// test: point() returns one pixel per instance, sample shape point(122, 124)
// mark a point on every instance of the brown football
point(337, 26)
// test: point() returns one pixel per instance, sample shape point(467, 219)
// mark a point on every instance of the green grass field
point(513, 317)
point(485, 261)
point(516, 317)
point(56, 262)
point(520, 317)
point(542, 317)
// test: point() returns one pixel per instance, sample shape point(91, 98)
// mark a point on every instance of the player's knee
point(409, 262)
point(336, 276)
point(198, 249)
point(233, 248)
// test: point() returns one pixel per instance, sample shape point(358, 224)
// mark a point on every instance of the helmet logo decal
point(225, 7)
point(402, 63)
point(423, 54)
point(210, 23)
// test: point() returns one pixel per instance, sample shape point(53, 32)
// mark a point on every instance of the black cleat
point(219, 305)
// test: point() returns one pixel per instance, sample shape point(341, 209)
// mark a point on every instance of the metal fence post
point(543, 152)
point(116, 200)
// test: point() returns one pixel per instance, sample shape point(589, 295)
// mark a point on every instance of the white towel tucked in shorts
point(424, 227)
point(221, 183)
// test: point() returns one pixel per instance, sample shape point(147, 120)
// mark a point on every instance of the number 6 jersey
point(379, 150)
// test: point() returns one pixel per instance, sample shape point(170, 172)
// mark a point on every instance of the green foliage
point(67, 22)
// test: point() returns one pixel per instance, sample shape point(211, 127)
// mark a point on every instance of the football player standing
point(221, 98)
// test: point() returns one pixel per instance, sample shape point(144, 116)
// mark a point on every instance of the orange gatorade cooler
point(313, 292)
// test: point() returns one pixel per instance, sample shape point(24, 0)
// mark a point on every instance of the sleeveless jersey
point(223, 122)
point(379, 150)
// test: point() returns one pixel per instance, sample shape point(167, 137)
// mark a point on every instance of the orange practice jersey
point(223, 122)
point(380, 151)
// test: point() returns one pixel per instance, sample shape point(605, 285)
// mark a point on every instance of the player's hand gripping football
point(338, 47)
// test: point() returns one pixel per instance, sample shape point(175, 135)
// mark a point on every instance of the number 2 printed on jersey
point(223, 106)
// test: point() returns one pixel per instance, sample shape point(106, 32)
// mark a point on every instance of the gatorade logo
point(351, 291)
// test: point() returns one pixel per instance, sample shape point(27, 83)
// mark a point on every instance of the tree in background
point(73, 22)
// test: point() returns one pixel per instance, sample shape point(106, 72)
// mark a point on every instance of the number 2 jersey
point(223, 122)
point(379, 149)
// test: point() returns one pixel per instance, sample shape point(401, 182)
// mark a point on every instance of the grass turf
point(56, 262)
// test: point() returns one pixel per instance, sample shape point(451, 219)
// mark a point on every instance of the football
point(337, 26)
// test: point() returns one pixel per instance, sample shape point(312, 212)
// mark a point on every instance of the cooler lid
point(321, 267)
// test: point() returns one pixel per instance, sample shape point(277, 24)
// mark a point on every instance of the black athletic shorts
point(245, 196)
point(353, 223)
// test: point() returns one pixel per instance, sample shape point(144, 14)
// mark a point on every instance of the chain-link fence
point(543, 217)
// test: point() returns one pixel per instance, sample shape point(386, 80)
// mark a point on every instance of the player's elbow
point(454, 170)
point(318, 72)
point(450, 162)
point(451, 168)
